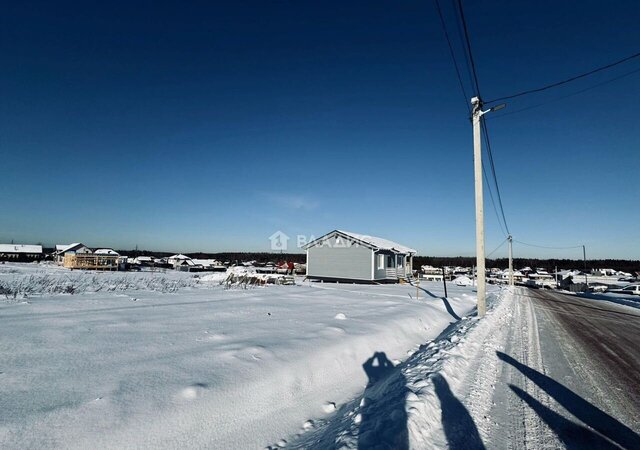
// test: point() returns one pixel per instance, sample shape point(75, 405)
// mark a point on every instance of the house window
point(400, 258)
point(380, 261)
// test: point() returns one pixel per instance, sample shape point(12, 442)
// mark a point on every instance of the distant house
point(20, 252)
point(90, 261)
point(106, 251)
point(143, 260)
point(186, 265)
point(209, 264)
point(72, 249)
point(343, 255)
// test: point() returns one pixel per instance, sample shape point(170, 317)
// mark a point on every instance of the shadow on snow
point(571, 434)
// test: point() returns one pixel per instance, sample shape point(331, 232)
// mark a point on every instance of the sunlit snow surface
point(168, 360)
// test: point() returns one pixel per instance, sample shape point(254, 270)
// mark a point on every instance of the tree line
point(623, 265)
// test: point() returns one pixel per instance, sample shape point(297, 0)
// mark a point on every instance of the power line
point(493, 203)
point(468, 43)
point(544, 246)
point(497, 248)
point(453, 57)
point(464, 93)
point(566, 96)
point(464, 49)
point(485, 133)
point(568, 80)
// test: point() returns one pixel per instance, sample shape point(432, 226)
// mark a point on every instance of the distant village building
point(72, 249)
point(178, 260)
point(185, 265)
point(143, 260)
point(90, 261)
point(21, 252)
point(106, 251)
point(342, 255)
point(209, 264)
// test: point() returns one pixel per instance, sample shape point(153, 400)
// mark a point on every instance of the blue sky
point(203, 126)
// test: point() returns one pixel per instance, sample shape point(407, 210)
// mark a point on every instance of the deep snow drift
point(138, 364)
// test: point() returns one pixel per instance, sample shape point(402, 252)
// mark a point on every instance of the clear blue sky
point(207, 126)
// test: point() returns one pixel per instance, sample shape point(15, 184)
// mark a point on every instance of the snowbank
point(463, 281)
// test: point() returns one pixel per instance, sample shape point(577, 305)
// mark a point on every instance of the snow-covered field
point(170, 360)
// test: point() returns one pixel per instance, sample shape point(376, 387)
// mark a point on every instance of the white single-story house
point(186, 265)
point(75, 249)
point(20, 252)
point(178, 259)
point(346, 256)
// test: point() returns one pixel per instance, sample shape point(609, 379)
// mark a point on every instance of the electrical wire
point(493, 203)
point(568, 80)
point(453, 57)
point(544, 246)
point(566, 96)
point(464, 94)
point(471, 64)
point(485, 133)
point(469, 52)
point(497, 248)
point(464, 48)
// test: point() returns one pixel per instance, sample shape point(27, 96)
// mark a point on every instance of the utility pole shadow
point(589, 414)
point(447, 305)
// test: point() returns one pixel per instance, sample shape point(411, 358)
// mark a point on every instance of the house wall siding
point(339, 260)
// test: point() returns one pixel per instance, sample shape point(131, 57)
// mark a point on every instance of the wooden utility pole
point(444, 282)
point(584, 256)
point(510, 261)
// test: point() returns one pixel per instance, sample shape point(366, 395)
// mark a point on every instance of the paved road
point(570, 375)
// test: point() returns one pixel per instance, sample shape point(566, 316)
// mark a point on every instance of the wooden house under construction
point(91, 261)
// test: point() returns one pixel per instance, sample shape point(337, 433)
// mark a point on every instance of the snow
point(407, 408)
point(376, 242)
point(463, 281)
point(106, 251)
point(172, 359)
point(20, 248)
point(622, 299)
point(380, 243)
point(69, 247)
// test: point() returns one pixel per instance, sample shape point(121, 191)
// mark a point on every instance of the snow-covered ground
point(518, 378)
point(439, 398)
point(170, 360)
